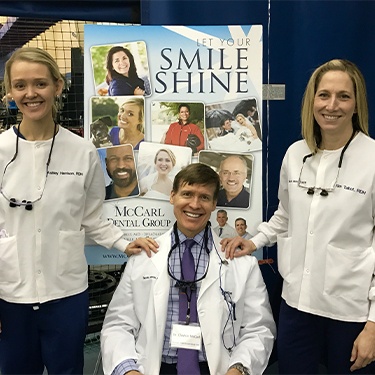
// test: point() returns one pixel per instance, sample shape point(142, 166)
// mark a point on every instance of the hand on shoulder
point(146, 244)
point(237, 247)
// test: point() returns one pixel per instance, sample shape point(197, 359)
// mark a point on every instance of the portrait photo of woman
point(179, 124)
point(157, 166)
point(121, 69)
point(122, 77)
point(117, 120)
point(247, 132)
point(130, 123)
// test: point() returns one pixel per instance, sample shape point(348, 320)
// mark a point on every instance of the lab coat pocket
point(284, 251)
point(72, 258)
point(348, 273)
point(9, 262)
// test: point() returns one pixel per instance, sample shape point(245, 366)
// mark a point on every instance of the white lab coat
point(135, 321)
point(326, 244)
point(43, 256)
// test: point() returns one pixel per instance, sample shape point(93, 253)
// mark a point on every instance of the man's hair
point(225, 118)
point(197, 173)
point(240, 218)
point(310, 128)
point(222, 212)
point(241, 158)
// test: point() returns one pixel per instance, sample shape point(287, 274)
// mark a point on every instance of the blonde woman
point(324, 229)
point(51, 197)
point(130, 129)
point(245, 123)
point(158, 184)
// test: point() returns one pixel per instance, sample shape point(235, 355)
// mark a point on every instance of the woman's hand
point(237, 247)
point(139, 91)
point(147, 244)
point(363, 352)
point(103, 91)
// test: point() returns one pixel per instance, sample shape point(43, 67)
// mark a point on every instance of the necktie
point(220, 231)
point(187, 359)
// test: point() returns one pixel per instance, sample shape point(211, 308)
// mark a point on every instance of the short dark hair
point(183, 105)
point(197, 173)
point(222, 212)
point(240, 218)
point(225, 118)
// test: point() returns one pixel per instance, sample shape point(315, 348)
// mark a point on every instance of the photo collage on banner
point(158, 98)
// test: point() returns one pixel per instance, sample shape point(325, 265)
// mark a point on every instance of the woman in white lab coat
point(324, 228)
point(52, 190)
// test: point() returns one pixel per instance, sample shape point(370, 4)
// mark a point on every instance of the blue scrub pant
point(50, 335)
point(305, 340)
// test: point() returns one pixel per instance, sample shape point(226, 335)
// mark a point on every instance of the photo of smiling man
point(120, 166)
point(233, 173)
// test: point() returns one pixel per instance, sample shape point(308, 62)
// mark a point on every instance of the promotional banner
point(158, 98)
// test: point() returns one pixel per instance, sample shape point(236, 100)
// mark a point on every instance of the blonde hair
point(139, 102)
point(39, 56)
point(170, 154)
point(240, 115)
point(310, 128)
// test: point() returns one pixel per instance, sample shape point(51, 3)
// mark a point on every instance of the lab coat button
point(39, 272)
point(39, 187)
point(307, 271)
point(39, 230)
point(311, 232)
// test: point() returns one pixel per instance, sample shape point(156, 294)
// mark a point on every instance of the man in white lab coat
point(234, 333)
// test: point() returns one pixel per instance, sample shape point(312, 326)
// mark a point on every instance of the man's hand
point(363, 352)
point(133, 372)
point(147, 244)
point(237, 247)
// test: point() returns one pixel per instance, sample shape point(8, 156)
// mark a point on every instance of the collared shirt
point(227, 231)
point(111, 194)
point(241, 200)
point(201, 258)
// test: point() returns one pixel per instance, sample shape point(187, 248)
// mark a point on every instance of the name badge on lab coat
point(186, 336)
